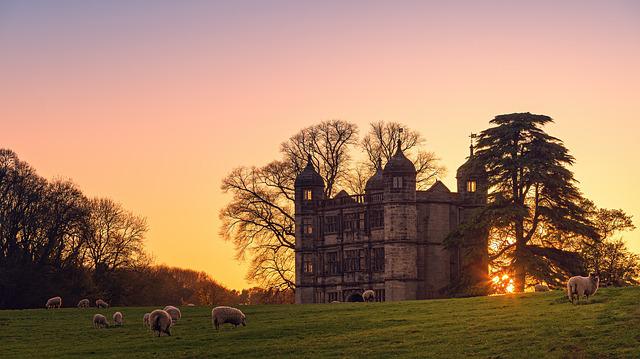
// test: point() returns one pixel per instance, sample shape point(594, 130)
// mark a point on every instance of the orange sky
point(152, 103)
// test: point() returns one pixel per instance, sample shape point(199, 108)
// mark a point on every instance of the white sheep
point(541, 288)
point(369, 295)
point(55, 302)
point(84, 303)
point(173, 312)
point(222, 314)
point(101, 304)
point(160, 322)
point(578, 286)
point(145, 320)
point(100, 321)
point(117, 318)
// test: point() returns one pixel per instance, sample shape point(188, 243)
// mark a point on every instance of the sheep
point(100, 321)
point(55, 302)
point(173, 312)
point(101, 304)
point(221, 315)
point(117, 318)
point(369, 295)
point(145, 320)
point(160, 322)
point(84, 303)
point(541, 288)
point(335, 302)
point(578, 286)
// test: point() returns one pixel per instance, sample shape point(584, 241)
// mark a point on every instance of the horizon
point(116, 97)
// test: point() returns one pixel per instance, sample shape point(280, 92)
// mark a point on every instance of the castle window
point(331, 224)
point(307, 195)
point(333, 266)
point(379, 295)
point(307, 263)
point(397, 182)
point(471, 186)
point(378, 260)
point(376, 218)
point(307, 226)
point(352, 261)
point(350, 223)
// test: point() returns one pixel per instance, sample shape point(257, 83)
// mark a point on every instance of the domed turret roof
point(399, 163)
point(471, 167)
point(309, 177)
point(376, 182)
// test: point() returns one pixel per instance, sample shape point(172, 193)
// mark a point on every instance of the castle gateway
point(390, 239)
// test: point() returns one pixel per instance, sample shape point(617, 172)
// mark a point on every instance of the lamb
point(221, 315)
point(369, 295)
point(100, 321)
point(173, 312)
point(541, 288)
point(578, 286)
point(145, 320)
point(160, 322)
point(84, 303)
point(117, 318)
point(101, 304)
point(55, 302)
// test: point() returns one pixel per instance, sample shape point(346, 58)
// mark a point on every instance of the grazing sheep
point(578, 286)
point(100, 321)
point(173, 312)
point(335, 302)
point(117, 318)
point(55, 302)
point(84, 303)
point(101, 304)
point(369, 295)
point(160, 322)
point(221, 315)
point(191, 305)
point(145, 320)
point(541, 288)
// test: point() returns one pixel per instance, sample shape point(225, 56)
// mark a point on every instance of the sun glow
point(503, 284)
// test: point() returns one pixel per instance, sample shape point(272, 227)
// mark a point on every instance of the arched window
point(307, 195)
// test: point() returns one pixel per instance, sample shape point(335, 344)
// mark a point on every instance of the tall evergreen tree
point(531, 188)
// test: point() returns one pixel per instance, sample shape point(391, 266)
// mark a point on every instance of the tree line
point(540, 226)
point(54, 240)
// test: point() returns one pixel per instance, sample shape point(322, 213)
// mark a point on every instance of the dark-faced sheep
point(84, 303)
point(222, 315)
point(55, 302)
point(100, 321)
point(369, 295)
point(101, 304)
point(160, 322)
point(173, 312)
point(582, 286)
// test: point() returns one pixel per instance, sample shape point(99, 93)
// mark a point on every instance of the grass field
point(537, 325)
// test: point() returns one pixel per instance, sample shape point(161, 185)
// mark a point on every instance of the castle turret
point(376, 182)
point(309, 190)
point(472, 181)
point(400, 216)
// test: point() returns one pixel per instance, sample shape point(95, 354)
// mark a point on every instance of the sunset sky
point(151, 103)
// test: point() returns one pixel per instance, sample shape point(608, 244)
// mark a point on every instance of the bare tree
point(115, 236)
point(381, 143)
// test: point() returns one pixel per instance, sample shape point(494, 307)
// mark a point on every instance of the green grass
point(536, 325)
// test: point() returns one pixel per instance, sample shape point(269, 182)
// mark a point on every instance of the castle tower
point(472, 256)
point(400, 232)
point(309, 189)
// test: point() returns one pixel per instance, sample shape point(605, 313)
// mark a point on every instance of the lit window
point(471, 186)
point(307, 263)
point(307, 226)
point(397, 182)
point(308, 195)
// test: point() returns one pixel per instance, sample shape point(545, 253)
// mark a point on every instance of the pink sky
point(151, 103)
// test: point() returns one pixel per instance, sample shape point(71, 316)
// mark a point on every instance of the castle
point(389, 239)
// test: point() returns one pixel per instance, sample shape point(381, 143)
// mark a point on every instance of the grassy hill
point(522, 325)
